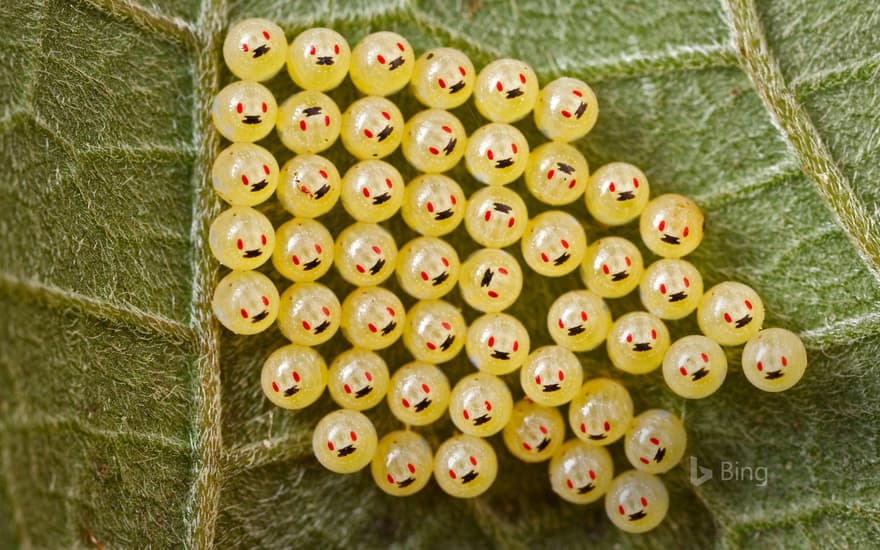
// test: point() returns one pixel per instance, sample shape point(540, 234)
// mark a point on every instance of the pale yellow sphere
point(303, 250)
point(309, 186)
point(534, 432)
point(244, 111)
point(506, 90)
point(241, 238)
point(551, 376)
point(612, 267)
point(372, 318)
point(601, 412)
point(318, 59)
point(403, 463)
point(566, 109)
point(434, 141)
point(617, 193)
point(636, 502)
point(465, 466)
point(480, 404)
point(556, 173)
point(427, 268)
point(774, 360)
point(554, 243)
point(435, 331)
point(419, 393)
point(372, 191)
point(293, 377)
point(344, 441)
point(656, 441)
point(496, 217)
point(245, 302)
point(496, 154)
point(381, 63)
point(358, 379)
point(490, 280)
point(365, 254)
point(433, 205)
point(579, 320)
point(308, 122)
point(244, 174)
point(372, 128)
point(672, 226)
point(694, 367)
point(254, 49)
point(671, 289)
point(497, 343)
point(309, 314)
point(637, 342)
point(580, 472)
point(443, 78)
point(730, 313)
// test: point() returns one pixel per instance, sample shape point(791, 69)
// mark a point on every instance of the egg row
point(383, 63)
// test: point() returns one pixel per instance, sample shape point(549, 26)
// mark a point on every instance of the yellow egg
point(403, 463)
point(556, 173)
point(671, 226)
point(244, 174)
point(372, 128)
point(655, 442)
point(244, 111)
point(309, 186)
point(774, 360)
point(480, 404)
point(318, 59)
point(612, 267)
point(293, 377)
point(601, 412)
point(497, 343)
point(433, 205)
point(303, 250)
point(495, 217)
point(419, 393)
point(372, 318)
point(254, 49)
point(245, 302)
point(490, 280)
point(534, 433)
point(554, 243)
point(443, 78)
point(434, 141)
point(580, 472)
point(381, 63)
point(309, 314)
point(694, 367)
point(637, 342)
point(730, 313)
point(566, 109)
point(427, 268)
point(358, 379)
point(496, 154)
point(617, 193)
point(636, 502)
point(365, 254)
point(372, 191)
point(551, 376)
point(465, 466)
point(506, 90)
point(671, 289)
point(579, 320)
point(241, 238)
point(344, 441)
point(308, 122)
point(435, 331)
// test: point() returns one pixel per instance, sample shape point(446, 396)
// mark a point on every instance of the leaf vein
point(174, 29)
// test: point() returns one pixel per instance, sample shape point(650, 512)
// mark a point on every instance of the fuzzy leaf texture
point(130, 419)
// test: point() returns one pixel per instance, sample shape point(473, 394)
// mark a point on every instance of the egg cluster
point(553, 244)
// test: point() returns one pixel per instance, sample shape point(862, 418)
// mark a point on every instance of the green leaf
point(128, 418)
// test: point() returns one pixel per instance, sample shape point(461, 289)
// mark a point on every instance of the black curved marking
point(549, 388)
point(259, 186)
point(457, 87)
point(642, 346)
point(252, 119)
point(482, 419)
point(383, 135)
point(406, 482)
point(447, 343)
point(487, 277)
point(596, 437)
point(567, 168)
point(322, 327)
point(325, 60)
point(582, 108)
point(699, 374)
point(259, 317)
point(382, 198)
point(619, 276)
point(638, 515)
point(345, 451)
point(292, 390)
point(626, 195)
point(667, 238)
point(366, 390)
point(256, 253)
point(312, 111)
point(443, 214)
point(377, 267)
point(743, 321)
point(389, 327)
point(440, 279)
point(501, 207)
point(774, 375)
point(395, 63)
point(450, 146)
point(504, 163)
point(470, 476)
point(311, 264)
point(661, 454)
point(562, 258)
point(575, 330)
point(323, 190)
point(543, 445)
point(261, 51)
point(516, 92)
point(502, 355)
point(585, 489)
point(422, 405)
point(678, 296)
